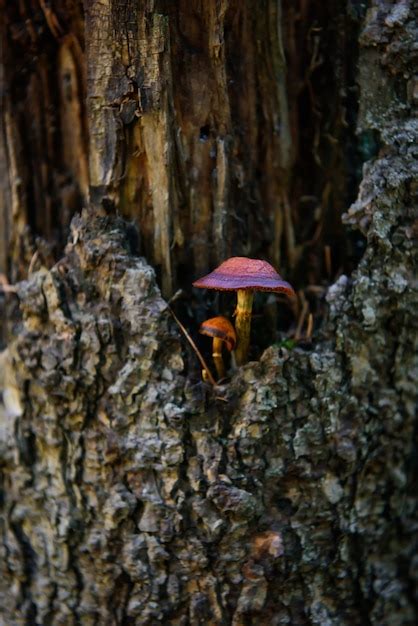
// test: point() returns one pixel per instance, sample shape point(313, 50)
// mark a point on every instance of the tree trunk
point(133, 492)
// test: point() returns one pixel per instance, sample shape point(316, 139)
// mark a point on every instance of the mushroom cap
point(221, 328)
point(238, 272)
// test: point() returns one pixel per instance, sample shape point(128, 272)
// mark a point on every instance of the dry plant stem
point(217, 357)
point(243, 324)
point(5, 285)
point(328, 260)
point(194, 346)
point(309, 327)
point(32, 262)
point(292, 252)
point(302, 316)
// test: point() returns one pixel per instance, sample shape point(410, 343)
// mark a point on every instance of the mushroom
point(244, 276)
point(222, 331)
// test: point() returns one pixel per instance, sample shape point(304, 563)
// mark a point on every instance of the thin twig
point(289, 230)
point(328, 260)
point(32, 262)
point(52, 20)
point(309, 327)
point(179, 294)
point(194, 346)
point(301, 320)
point(5, 286)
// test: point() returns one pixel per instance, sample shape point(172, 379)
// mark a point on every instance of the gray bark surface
point(135, 495)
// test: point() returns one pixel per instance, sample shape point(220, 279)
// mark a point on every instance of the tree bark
point(132, 492)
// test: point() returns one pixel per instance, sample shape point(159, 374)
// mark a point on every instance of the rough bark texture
point(133, 494)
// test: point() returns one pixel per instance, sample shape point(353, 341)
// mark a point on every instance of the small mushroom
point(222, 331)
point(244, 276)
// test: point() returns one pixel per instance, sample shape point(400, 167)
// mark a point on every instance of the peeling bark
point(135, 494)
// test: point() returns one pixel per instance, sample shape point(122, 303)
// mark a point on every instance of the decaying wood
point(180, 130)
point(193, 120)
point(43, 146)
point(133, 493)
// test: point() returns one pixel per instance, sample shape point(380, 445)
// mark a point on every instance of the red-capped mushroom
point(244, 276)
point(221, 331)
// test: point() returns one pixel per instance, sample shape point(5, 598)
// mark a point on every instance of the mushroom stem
point(217, 357)
point(243, 324)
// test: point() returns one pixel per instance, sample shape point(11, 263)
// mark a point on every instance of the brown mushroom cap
point(221, 328)
point(238, 272)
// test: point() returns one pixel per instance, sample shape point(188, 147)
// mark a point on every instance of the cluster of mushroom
point(244, 276)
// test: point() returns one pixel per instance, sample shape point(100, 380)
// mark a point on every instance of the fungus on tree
point(244, 276)
point(221, 331)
